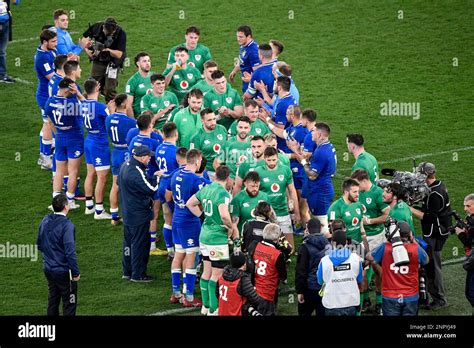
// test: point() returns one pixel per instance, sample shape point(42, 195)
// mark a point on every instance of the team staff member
point(56, 241)
point(311, 251)
point(136, 194)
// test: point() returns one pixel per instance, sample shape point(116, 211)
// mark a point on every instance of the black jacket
point(119, 42)
point(56, 241)
point(245, 287)
point(252, 231)
point(469, 267)
point(136, 193)
point(310, 253)
point(436, 208)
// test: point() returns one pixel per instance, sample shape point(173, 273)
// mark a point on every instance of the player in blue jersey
point(308, 119)
point(320, 170)
point(263, 74)
point(145, 125)
point(59, 74)
point(278, 115)
point(64, 112)
point(97, 151)
point(249, 59)
point(184, 184)
point(44, 66)
point(118, 124)
point(166, 159)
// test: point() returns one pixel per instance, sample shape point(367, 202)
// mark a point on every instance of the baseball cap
point(237, 259)
point(314, 226)
point(426, 168)
point(142, 150)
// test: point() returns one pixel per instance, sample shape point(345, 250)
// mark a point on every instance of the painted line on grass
point(23, 81)
point(284, 292)
point(422, 155)
point(35, 38)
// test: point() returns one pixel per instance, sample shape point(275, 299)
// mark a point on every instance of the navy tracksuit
point(136, 198)
point(56, 241)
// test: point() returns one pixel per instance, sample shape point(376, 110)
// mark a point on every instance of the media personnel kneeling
point(400, 284)
point(235, 291)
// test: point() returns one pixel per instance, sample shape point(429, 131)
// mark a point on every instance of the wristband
point(304, 162)
point(271, 126)
point(268, 119)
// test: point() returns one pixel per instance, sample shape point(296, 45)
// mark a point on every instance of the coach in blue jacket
point(56, 241)
point(136, 197)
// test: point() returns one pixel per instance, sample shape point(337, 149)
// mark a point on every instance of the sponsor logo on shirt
point(275, 187)
point(207, 142)
point(368, 200)
point(246, 205)
point(190, 76)
point(141, 85)
point(355, 221)
point(228, 100)
point(197, 57)
point(358, 211)
point(281, 177)
point(217, 148)
point(220, 137)
point(184, 84)
point(348, 214)
point(166, 103)
point(258, 130)
point(215, 102)
point(154, 105)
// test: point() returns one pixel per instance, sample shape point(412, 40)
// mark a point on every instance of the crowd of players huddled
point(241, 173)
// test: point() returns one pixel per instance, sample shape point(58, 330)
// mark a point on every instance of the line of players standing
point(266, 150)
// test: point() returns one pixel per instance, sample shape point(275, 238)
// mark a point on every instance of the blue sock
point(175, 281)
point(190, 281)
point(115, 213)
point(168, 236)
point(47, 147)
point(89, 202)
point(41, 142)
point(78, 187)
point(99, 207)
point(65, 179)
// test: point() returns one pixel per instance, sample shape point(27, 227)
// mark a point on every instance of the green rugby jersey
point(368, 163)
point(401, 212)
point(258, 127)
point(210, 143)
point(137, 87)
point(351, 214)
point(187, 124)
point(155, 104)
point(235, 152)
point(230, 99)
point(373, 205)
point(183, 80)
point(197, 56)
point(243, 206)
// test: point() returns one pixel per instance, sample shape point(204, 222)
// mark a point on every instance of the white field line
point(189, 310)
point(23, 81)
point(421, 155)
point(35, 38)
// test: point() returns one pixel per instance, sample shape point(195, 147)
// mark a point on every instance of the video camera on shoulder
point(465, 225)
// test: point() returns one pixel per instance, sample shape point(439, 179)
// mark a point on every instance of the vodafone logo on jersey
point(217, 148)
point(355, 221)
point(184, 84)
point(242, 159)
point(275, 187)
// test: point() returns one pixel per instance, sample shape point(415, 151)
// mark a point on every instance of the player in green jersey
point(181, 77)
point(215, 232)
point(209, 139)
point(348, 209)
point(275, 180)
point(257, 126)
point(139, 84)
point(257, 146)
point(163, 104)
point(243, 204)
point(224, 100)
point(364, 160)
point(198, 53)
point(271, 141)
point(394, 195)
point(188, 119)
point(207, 84)
point(375, 213)
point(236, 150)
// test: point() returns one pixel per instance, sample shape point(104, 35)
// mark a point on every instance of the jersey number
point(87, 120)
point(401, 269)
point(261, 267)
point(114, 131)
point(57, 117)
point(223, 292)
point(178, 192)
point(207, 207)
point(162, 163)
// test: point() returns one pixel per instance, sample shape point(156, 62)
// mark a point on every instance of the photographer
point(435, 216)
point(107, 54)
point(466, 234)
point(400, 284)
